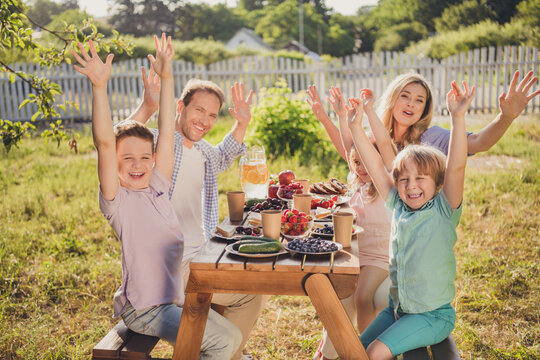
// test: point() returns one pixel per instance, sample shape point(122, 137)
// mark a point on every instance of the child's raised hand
point(338, 102)
point(151, 85)
point(315, 101)
point(514, 102)
point(164, 54)
point(97, 72)
point(368, 98)
point(355, 113)
point(458, 100)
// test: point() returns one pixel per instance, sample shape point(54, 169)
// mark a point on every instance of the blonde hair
point(388, 101)
point(429, 161)
point(195, 85)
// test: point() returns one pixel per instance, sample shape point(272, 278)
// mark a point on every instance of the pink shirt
point(373, 242)
point(152, 245)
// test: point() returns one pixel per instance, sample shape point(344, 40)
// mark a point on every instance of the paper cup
point(302, 203)
point(235, 200)
point(271, 223)
point(305, 185)
point(343, 222)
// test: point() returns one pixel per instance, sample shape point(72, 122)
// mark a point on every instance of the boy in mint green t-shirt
point(425, 195)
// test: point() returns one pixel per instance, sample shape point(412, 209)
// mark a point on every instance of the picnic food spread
point(330, 187)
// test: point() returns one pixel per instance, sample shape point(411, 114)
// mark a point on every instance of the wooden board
point(109, 347)
point(139, 347)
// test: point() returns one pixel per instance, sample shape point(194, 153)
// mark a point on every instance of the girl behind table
point(370, 215)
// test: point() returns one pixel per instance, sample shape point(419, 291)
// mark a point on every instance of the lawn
point(60, 261)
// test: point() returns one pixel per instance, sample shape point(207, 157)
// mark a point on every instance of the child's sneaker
point(318, 353)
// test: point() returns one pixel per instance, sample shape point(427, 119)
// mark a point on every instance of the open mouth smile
point(414, 196)
point(199, 128)
point(136, 175)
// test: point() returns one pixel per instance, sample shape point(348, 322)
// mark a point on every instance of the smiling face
point(415, 188)
point(356, 164)
point(199, 116)
point(135, 162)
point(409, 106)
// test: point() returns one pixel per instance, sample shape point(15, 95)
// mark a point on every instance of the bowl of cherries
point(286, 192)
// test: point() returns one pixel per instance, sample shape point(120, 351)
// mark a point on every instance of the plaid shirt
point(218, 159)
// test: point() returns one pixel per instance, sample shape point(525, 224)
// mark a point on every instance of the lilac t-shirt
point(152, 245)
point(438, 137)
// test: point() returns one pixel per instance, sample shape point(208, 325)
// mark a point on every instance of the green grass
point(60, 261)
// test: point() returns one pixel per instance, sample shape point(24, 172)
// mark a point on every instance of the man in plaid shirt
point(194, 192)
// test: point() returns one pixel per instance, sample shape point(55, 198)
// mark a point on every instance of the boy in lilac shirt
point(133, 198)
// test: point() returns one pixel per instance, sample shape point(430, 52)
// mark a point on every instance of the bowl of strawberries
point(295, 224)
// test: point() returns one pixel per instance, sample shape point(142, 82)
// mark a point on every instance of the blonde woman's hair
point(388, 100)
point(429, 161)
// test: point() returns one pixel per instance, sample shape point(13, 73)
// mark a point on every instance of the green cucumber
point(260, 238)
point(237, 244)
point(264, 248)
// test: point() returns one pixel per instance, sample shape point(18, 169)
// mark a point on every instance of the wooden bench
point(445, 350)
point(123, 344)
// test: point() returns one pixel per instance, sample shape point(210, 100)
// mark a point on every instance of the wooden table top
point(214, 256)
point(324, 278)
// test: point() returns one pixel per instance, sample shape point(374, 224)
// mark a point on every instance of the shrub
point(199, 51)
point(398, 37)
point(484, 34)
point(285, 125)
point(465, 14)
point(529, 13)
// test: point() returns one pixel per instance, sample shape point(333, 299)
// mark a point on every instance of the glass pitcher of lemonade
point(254, 173)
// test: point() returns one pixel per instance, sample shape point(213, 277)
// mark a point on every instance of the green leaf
point(35, 116)
point(24, 102)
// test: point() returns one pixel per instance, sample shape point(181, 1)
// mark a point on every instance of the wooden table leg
point(334, 318)
point(192, 324)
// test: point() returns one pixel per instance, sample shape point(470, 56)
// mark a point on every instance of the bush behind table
point(60, 261)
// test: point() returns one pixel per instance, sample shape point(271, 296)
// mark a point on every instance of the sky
point(98, 8)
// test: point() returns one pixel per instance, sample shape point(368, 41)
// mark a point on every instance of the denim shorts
point(410, 331)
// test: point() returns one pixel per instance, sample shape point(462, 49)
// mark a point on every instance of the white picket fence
point(490, 69)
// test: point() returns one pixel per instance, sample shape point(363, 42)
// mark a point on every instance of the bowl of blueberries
point(326, 231)
point(312, 246)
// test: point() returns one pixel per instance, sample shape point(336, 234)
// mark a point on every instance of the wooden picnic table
point(323, 279)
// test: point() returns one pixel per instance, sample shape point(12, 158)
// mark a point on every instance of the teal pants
point(410, 331)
